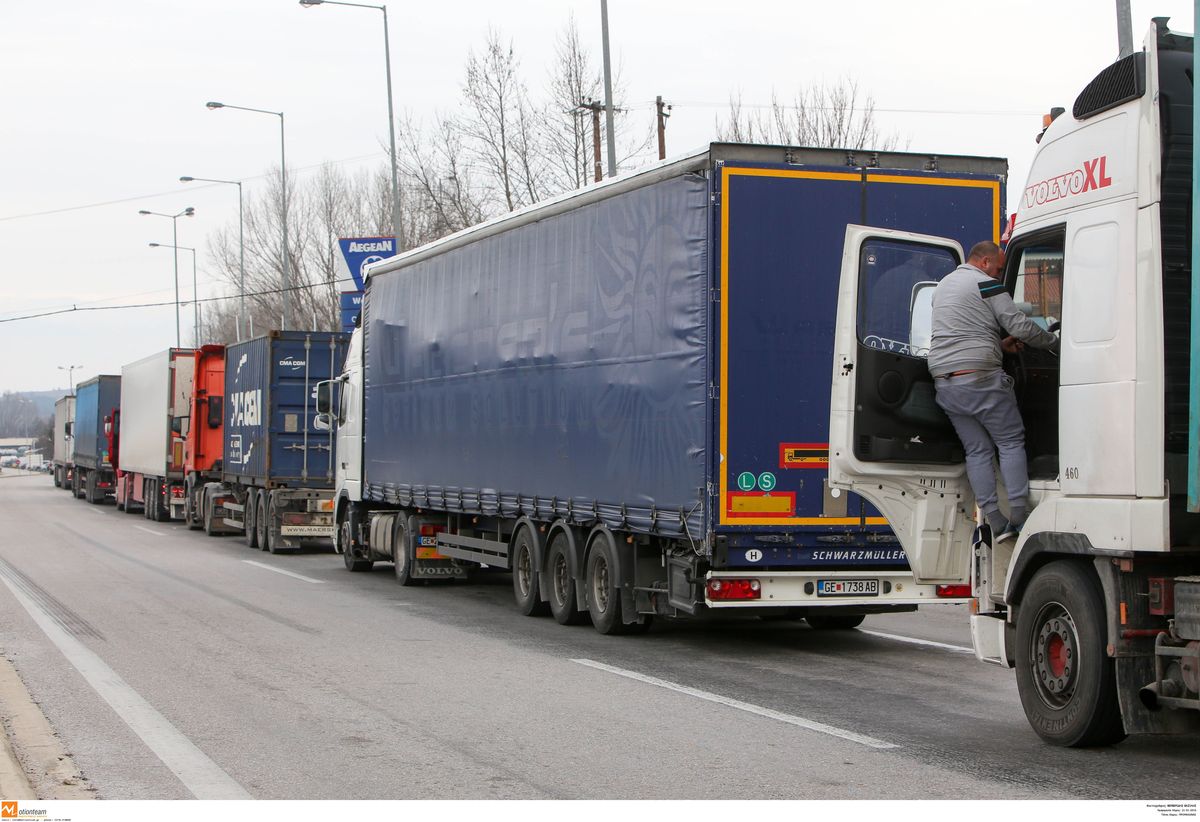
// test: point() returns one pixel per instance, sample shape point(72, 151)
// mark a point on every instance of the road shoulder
point(33, 762)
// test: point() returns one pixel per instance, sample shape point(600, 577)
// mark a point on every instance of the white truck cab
point(1092, 605)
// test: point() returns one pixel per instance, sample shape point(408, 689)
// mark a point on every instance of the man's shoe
point(1009, 533)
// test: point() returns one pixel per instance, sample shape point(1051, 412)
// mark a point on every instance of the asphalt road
point(175, 665)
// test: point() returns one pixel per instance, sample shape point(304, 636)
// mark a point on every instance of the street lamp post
point(195, 291)
point(70, 369)
point(241, 247)
point(397, 228)
point(187, 212)
point(287, 314)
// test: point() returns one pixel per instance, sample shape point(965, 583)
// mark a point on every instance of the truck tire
point(403, 555)
point(148, 499)
point(262, 526)
point(564, 604)
point(93, 494)
point(193, 508)
point(273, 545)
point(525, 577)
point(250, 521)
point(1066, 680)
point(206, 508)
point(77, 485)
point(57, 477)
point(834, 622)
point(604, 590)
point(353, 563)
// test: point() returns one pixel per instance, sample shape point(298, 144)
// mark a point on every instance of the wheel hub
point(1055, 655)
point(524, 571)
point(560, 578)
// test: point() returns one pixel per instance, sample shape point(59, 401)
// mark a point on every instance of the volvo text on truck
point(97, 405)
point(277, 469)
point(620, 395)
point(155, 405)
point(64, 418)
point(1097, 604)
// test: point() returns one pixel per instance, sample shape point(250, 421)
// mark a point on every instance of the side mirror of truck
point(322, 422)
point(66, 429)
point(216, 412)
point(325, 398)
point(177, 426)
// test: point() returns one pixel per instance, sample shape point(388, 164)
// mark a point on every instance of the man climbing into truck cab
point(972, 311)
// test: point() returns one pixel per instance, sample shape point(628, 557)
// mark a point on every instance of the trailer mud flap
point(683, 584)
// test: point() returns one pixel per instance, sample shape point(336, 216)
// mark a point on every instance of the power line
point(176, 191)
point(78, 309)
point(938, 111)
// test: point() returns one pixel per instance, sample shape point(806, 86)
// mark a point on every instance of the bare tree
point(829, 116)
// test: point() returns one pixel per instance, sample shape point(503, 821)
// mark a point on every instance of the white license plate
point(847, 587)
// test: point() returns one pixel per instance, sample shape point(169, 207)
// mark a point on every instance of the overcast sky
point(105, 102)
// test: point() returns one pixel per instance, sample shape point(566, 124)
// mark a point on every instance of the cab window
point(1039, 284)
point(895, 297)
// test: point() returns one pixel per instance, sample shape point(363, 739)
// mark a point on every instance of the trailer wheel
point(604, 590)
point(353, 563)
point(402, 552)
point(57, 477)
point(262, 526)
point(147, 499)
point(838, 622)
point(1066, 679)
point(273, 537)
point(93, 494)
point(525, 576)
point(76, 485)
point(563, 600)
point(249, 521)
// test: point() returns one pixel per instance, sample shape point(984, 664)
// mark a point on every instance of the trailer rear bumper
point(820, 589)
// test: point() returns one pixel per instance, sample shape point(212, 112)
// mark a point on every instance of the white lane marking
point(798, 721)
point(912, 640)
point(199, 774)
point(94, 510)
point(149, 530)
point(281, 571)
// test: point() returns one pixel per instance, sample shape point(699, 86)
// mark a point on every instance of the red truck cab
point(203, 441)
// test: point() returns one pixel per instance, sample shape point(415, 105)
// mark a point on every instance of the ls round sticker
point(746, 481)
point(766, 481)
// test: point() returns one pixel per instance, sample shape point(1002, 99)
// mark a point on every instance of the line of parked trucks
point(702, 387)
point(180, 436)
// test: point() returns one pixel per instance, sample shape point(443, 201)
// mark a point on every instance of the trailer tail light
point(320, 506)
point(104, 485)
point(954, 591)
point(176, 492)
point(730, 589)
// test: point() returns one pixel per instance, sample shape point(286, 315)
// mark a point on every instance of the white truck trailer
point(1097, 604)
point(156, 396)
point(64, 418)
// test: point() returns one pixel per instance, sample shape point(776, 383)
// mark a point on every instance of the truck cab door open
point(888, 440)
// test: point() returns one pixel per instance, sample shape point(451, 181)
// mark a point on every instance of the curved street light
point(187, 212)
point(241, 246)
point(287, 314)
point(195, 290)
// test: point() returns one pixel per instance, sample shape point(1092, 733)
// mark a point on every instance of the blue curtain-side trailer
point(622, 395)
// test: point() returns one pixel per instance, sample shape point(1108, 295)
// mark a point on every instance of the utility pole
point(595, 108)
point(1124, 30)
point(662, 127)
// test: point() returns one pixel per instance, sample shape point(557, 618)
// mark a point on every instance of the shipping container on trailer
point(64, 417)
point(277, 468)
point(632, 381)
point(97, 408)
point(155, 401)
